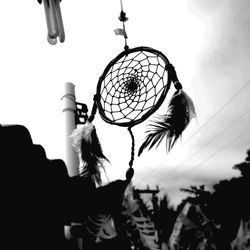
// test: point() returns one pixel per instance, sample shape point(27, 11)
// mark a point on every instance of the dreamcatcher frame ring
point(130, 84)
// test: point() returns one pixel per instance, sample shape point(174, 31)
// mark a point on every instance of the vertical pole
point(71, 158)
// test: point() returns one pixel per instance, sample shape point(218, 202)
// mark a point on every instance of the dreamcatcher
point(131, 88)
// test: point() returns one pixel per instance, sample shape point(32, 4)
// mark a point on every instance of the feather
point(100, 227)
point(86, 143)
point(137, 226)
point(179, 114)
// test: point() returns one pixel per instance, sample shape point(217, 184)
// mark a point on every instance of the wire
point(238, 119)
point(210, 119)
point(215, 153)
point(217, 112)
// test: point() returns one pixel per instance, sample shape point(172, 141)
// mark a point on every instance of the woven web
point(132, 87)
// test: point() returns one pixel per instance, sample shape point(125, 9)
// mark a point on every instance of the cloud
point(227, 39)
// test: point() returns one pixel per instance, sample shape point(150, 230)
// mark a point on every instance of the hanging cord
point(123, 19)
point(132, 147)
point(173, 76)
point(130, 171)
point(94, 109)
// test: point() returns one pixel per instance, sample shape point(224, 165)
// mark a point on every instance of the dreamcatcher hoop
point(133, 86)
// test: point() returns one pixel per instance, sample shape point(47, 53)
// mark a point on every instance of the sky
point(208, 42)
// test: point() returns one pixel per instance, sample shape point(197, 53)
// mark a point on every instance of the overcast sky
point(208, 42)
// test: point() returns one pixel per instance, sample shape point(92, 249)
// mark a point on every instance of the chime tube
point(59, 21)
point(47, 8)
point(53, 18)
point(52, 41)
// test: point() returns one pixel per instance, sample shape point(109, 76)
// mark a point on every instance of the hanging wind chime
point(53, 20)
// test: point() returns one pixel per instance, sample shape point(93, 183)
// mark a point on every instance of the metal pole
point(71, 157)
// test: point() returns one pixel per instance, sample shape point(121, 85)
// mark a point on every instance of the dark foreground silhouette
point(39, 198)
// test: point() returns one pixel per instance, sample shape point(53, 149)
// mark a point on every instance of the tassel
point(86, 143)
point(179, 114)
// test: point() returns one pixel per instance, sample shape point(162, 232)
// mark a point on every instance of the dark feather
point(87, 144)
point(180, 111)
point(95, 145)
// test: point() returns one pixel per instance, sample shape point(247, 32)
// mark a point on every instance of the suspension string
point(173, 76)
point(121, 5)
point(132, 147)
point(123, 19)
point(94, 109)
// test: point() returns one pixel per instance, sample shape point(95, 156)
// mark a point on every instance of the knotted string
point(132, 147)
